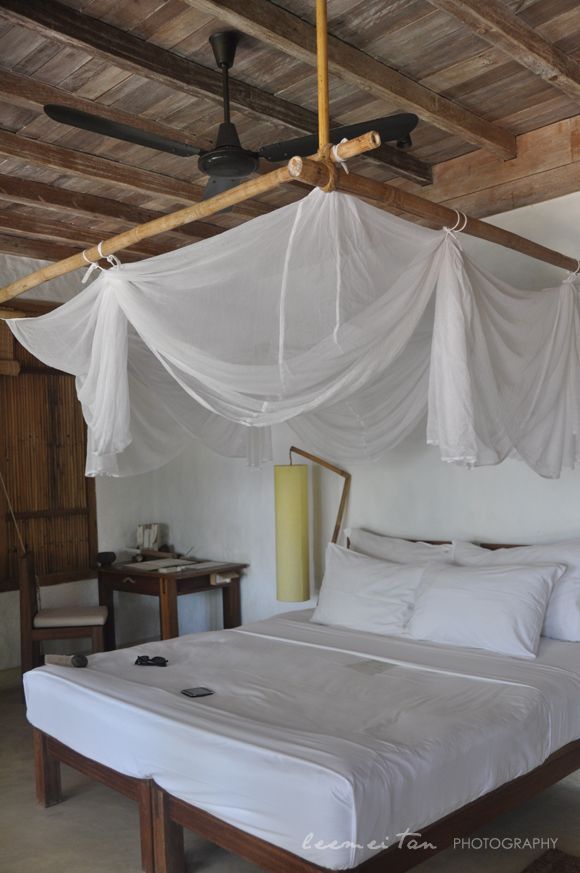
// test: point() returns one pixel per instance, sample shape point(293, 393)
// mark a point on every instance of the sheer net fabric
point(329, 314)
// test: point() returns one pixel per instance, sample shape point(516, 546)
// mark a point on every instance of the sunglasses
point(146, 661)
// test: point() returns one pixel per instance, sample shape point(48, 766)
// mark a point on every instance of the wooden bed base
point(163, 817)
point(48, 756)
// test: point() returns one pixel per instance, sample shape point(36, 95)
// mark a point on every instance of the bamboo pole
point(291, 172)
point(322, 75)
point(204, 208)
point(395, 200)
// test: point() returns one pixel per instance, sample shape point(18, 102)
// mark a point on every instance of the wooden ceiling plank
point(36, 248)
point(101, 169)
point(30, 92)
point(25, 91)
point(270, 23)
point(31, 193)
point(58, 231)
point(494, 22)
point(142, 58)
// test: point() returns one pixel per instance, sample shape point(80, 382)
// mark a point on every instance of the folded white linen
point(562, 621)
point(398, 550)
point(301, 738)
point(366, 593)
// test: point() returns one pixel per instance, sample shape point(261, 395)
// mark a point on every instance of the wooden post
point(322, 75)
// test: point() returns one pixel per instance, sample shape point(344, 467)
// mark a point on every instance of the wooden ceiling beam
point(36, 227)
point(57, 157)
point(135, 55)
point(277, 27)
point(31, 193)
point(502, 28)
point(25, 91)
point(547, 166)
point(39, 249)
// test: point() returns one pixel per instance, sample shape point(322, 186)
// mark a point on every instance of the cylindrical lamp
point(292, 547)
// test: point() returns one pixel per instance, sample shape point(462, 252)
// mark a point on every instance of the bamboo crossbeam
point(252, 188)
point(203, 209)
point(316, 173)
point(395, 200)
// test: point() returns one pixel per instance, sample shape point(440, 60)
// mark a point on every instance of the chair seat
point(71, 616)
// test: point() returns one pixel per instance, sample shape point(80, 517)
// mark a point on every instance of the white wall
point(225, 510)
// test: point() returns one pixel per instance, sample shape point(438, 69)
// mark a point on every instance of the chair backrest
point(28, 590)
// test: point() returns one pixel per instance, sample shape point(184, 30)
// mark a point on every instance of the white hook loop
point(459, 225)
point(571, 276)
point(113, 260)
point(335, 156)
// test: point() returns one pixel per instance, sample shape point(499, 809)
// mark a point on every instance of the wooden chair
point(71, 622)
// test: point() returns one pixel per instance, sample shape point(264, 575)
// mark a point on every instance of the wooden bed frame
point(163, 817)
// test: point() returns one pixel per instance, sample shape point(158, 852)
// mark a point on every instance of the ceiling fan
point(228, 163)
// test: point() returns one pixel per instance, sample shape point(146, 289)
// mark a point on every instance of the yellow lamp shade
point(292, 549)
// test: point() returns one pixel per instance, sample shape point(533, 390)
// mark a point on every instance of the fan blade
point(391, 128)
point(124, 132)
point(218, 185)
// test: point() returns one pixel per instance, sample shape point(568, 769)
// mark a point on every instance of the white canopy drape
point(329, 314)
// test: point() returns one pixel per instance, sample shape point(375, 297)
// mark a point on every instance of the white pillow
point(562, 620)
point(365, 593)
point(496, 608)
point(397, 550)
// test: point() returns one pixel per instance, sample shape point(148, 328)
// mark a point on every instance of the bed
point(321, 746)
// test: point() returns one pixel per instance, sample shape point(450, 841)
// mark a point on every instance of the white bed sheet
point(316, 733)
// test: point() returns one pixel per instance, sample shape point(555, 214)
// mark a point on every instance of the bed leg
point(47, 772)
point(144, 802)
point(168, 836)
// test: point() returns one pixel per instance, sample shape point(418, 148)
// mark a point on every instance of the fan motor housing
point(228, 159)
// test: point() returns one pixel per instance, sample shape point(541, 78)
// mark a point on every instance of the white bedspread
point(316, 733)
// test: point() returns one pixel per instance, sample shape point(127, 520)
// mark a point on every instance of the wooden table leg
point(168, 616)
point(107, 598)
point(232, 604)
point(47, 772)
point(168, 837)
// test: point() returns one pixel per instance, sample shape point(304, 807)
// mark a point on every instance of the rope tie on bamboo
point(112, 260)
point(571, 277)
point(336, 157)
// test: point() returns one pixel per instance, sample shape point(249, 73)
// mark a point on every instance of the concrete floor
point(95, 830)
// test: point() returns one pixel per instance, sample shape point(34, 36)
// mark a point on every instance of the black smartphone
point(197, 692)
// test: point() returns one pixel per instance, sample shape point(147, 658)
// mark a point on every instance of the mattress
point(327, 742)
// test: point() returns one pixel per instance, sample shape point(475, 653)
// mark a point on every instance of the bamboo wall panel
point(42, 444)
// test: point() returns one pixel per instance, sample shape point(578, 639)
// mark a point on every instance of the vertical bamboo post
point(322, 75)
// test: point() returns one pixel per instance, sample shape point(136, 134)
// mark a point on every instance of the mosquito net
point(329, 314)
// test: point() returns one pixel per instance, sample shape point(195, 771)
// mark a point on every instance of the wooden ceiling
point(496, 86)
